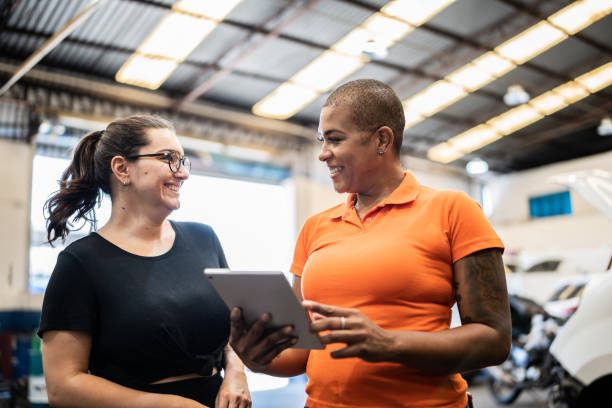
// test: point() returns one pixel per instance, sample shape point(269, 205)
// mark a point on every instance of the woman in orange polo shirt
point(381, 272)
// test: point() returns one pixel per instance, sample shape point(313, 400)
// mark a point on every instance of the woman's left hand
point(363, 338)
point(234, 391)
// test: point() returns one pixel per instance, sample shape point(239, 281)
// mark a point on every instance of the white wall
point(509, 204)
point(15, 179)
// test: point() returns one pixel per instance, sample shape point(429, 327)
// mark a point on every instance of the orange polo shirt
point(395, 266)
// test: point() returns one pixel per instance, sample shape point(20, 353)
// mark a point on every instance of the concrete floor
point(527, 399)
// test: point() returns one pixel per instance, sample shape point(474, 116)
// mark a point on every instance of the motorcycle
point(529, 364)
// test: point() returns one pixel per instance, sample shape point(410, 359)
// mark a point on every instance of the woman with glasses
point(128, 318)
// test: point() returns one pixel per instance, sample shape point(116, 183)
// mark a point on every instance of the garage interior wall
point(509, 196)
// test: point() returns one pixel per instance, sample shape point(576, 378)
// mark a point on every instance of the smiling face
point(350, 153)
point(151, 179)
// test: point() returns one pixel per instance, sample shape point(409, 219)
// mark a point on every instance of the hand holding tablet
point(258, 293)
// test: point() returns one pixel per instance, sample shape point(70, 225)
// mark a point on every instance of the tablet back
point(257, 293)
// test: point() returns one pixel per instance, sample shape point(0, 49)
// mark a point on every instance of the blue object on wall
point(550, 205)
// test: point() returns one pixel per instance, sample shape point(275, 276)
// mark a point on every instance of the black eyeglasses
point(173, 158)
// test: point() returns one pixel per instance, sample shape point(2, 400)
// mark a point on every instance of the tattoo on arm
point(480, 288)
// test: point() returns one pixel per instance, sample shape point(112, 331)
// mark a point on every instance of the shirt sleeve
point(469, 230)
point(219, 249)
point(69, 300)
point(300, 253)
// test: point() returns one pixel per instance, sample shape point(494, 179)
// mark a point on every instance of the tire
point(595, 393)
point(503, 393)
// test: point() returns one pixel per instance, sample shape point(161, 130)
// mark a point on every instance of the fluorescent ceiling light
point(176, 36)
point(412, 117)
point(216, 10)
point(470, 77)
point(597, 79)
point(146, 72)
point(571, 92)
point(172, 40)
point(548, 103)
point(531, 42)
point(327, 69)
point(443, 153)
point(580, 14)
point(285, 101)
point(521, 116)
point(474, 138)
point(416, 12)
point(385, 29)
point(435, 98)
point(493, 64)
point(346, 56)
point(515, 119)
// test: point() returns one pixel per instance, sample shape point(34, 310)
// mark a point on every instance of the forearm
point(233, 364)
point(469, 347)
point(86, 390)
point(289, 363)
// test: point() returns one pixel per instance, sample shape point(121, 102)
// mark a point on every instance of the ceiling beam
point(157, 100)
point(51, 43)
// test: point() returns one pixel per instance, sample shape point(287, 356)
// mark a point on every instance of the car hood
point(594, 185)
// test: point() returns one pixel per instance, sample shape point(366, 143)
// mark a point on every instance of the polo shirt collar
point(407, 191)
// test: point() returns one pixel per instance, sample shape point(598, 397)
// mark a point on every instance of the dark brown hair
point(89, 173)
point(373, 104)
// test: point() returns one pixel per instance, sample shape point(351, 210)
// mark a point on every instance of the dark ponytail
point(89, 173)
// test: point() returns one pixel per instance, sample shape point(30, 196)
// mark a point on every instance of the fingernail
point(288, 330)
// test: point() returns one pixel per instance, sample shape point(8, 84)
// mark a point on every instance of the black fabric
point(149, 317)
point(203, 390)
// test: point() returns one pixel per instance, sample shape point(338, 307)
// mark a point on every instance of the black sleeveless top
point(149, 317)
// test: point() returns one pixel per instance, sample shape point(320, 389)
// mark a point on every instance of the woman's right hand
point(255, 348)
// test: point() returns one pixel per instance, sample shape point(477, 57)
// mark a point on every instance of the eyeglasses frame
point(168, 157)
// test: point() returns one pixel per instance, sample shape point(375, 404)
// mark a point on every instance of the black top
point(149, 317)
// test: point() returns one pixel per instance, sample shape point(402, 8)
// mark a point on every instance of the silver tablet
point(257, 293)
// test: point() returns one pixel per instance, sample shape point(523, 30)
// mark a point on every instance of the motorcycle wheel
point(504, 393)
point(594, 394)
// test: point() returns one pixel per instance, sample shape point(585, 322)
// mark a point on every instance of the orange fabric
point(396, 268)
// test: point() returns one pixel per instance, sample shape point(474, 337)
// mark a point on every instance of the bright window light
point(146, 72)
point(326, 70)
point(515, 119)
point(443, 153)
point(474, 138)
point(597, 79)
point(470, 77)
point(416, 12)
point(531, 42)
point(548, 103)
point(217, 10)
point(435, 98)
point(285, 101)
point(571, 92)
point(176, 36)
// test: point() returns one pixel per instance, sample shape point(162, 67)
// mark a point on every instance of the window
point(255, 221)
point(550, 205)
